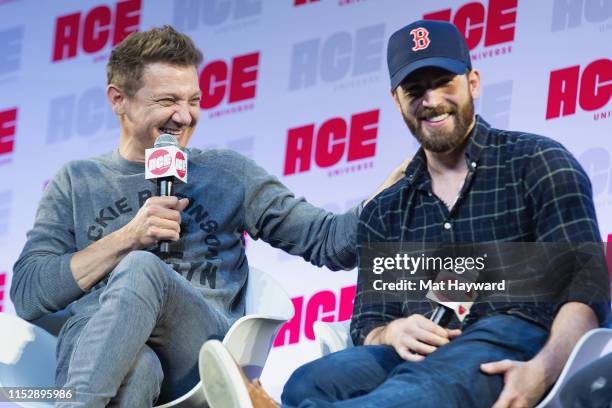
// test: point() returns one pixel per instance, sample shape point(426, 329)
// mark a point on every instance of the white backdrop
point(273, 67)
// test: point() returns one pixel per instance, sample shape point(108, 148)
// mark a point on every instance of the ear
point(116, 98)
point(396, 99)
point(474, 83)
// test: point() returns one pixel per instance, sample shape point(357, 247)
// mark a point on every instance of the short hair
point(129, 58)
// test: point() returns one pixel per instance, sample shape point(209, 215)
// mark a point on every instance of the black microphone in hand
point(452, 297)
point(166, 163)
point(442, 315)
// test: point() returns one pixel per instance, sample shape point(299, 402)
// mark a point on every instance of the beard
point(439, 140)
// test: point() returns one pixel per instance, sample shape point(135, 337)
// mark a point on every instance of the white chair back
point(27, 356)
point(265, 296)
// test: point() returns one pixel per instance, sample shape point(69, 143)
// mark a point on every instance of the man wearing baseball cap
point(469, 182)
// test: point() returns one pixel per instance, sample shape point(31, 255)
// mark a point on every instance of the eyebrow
point(175, 96)
point(435, 82)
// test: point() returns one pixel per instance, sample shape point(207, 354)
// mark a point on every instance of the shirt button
point(447, 225)
point(473, 164)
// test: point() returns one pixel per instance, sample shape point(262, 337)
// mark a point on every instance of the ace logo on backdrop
point(232, 81)
point(92, 31)
point(588, 86)
point(490, 24)
point(85, 114)
point(329, 143)
point(189, 14)
point(570, 13)
point(334, 58)
point(323, 306)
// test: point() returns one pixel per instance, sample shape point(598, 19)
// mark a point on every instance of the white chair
point(27, 352)
point(333, 337)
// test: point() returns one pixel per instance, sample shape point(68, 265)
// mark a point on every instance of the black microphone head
point(165, 140)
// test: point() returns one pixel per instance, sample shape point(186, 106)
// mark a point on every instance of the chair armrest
point(332, 337)
point(250, 339)
point(590, 347)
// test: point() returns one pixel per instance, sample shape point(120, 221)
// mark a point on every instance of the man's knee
point(309, 381)
point(142, 259)
point(139, 265)
point(298, 387)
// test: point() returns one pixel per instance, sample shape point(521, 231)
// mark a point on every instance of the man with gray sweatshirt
point(137, 318)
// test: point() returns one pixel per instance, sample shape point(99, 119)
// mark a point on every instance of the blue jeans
point(375, 376)
point(136, 340)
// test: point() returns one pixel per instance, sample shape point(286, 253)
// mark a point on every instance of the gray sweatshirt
point(228, 194)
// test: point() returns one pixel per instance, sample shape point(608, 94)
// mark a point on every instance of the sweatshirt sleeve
point(42, 279)
point(275, 215)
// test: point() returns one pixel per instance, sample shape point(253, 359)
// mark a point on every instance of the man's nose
point(431, 98)
point(182, 115)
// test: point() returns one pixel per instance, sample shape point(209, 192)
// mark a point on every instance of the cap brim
point(449, 64)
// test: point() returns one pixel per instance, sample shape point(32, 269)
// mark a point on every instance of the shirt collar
point(477, 140)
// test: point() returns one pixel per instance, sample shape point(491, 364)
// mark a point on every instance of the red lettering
point(596, 85)
point(330, 142)
point(593, 90)
point(8, 121)
point(66, 36)
point(213, 81)
point(320, 307)
point(347, 298)
point(302, 2)
point(97, 29)
point(244, 77)
point(501, 21)
point(469, 20)
point(364, 131)
point(127, 19)
point(290, 332)
point(299, 149)
point(562, 92)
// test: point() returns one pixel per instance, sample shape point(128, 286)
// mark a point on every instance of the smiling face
point(438, 106)
point(167, 102)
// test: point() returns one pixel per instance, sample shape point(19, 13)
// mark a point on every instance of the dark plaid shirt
point(520, 188)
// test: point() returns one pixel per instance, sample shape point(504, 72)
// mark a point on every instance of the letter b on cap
point(420, 36)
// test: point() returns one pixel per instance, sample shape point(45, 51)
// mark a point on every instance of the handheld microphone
point(452, 299)
point(165, 163)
